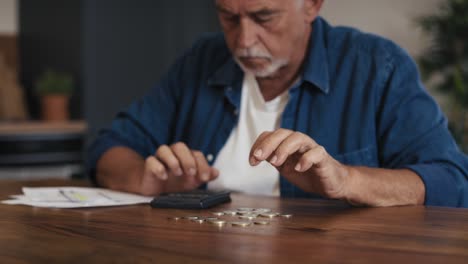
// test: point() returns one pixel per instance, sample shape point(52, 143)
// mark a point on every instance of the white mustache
point(253, 53)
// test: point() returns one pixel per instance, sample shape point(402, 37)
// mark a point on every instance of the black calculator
point(197, 199)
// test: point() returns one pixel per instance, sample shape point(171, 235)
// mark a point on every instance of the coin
point(230, 212)
point(211, 218)
point(218, 222)
point(200, 221)
point(218, 213)
point(247, 217)
point(259, 222)
point(286, 215)
point(262, 210)
point(191, 217)
point(241, 223)
point(244, 212)
point(245, 209)
point(269, 215)
point(175, 218)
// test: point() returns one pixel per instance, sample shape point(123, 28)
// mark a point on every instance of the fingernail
point(164, 176)
point(258, 153)
point(274, 159)
point(254, 162)
point(205, 176)
point(298, 167)
point(192, 172)
point(178, 172)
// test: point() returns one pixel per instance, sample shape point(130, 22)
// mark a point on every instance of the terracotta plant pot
point(55, 107)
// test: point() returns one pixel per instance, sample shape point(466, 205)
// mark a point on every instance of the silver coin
point(262, 210)
point(218, 213)
point(245, 209)
point(230, 212)
point(211, 218)
point(200, 221)
point(244, 212)
point(269, 215)
point(247, 217)
point(259, 222)
point(286, 215)
point(175, 218)
point(191, 217)
point(241, 223)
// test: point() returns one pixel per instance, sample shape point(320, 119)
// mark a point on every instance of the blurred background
point(67, 67)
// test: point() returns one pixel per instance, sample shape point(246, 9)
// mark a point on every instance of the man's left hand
point(302, 161)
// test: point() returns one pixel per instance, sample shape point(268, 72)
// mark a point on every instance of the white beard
point(268, 71)
point(262, 53)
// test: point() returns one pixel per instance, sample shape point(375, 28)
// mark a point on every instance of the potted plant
point(54, 89)
point(445, 62)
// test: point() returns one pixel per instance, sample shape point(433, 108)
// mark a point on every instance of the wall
point(393, 19)
point(128, 45)
point(8, 16)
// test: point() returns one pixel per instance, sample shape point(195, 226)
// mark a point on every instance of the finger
point(203, 169)
point(252, 160)
point(314, 156)
point(296, 142)
point(156, 168)
point(265, 148)
point(214, 173)
point(166, 156)
point(185, 157)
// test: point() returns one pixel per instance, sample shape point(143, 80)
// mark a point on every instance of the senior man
point(284, 104)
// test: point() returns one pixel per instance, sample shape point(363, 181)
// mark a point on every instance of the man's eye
point(263, 18)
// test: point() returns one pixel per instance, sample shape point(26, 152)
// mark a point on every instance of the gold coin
point(217, 222)
point(241, 223)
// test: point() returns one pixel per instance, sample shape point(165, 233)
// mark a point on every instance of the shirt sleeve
point(145, 124)
point(413, 134)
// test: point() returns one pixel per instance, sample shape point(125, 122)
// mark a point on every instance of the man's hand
point(302, 161)
point(175, 168)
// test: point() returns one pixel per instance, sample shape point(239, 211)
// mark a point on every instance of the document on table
point(75, 197)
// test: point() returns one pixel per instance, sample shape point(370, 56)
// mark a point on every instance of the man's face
point(264, 35)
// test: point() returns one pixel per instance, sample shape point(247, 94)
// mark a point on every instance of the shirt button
point(209, 157)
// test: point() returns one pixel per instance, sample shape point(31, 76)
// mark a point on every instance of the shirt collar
point(315, 66)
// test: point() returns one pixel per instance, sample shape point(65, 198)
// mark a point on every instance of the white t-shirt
point(255, 117)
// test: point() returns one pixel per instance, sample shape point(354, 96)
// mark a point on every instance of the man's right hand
point(175, 168)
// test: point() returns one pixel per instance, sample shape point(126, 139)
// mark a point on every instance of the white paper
point(75, 197)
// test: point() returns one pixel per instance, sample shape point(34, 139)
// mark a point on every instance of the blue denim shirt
point(360, 96)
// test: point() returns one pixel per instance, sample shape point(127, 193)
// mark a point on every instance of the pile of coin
point(242, 217)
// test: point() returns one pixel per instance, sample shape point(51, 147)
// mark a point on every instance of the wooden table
point(319, 232)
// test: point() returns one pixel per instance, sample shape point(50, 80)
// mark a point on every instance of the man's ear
point(312, 9)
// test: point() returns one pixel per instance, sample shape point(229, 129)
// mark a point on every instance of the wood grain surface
point(318, 232)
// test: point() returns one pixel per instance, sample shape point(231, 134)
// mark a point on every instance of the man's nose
point(247, 34)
